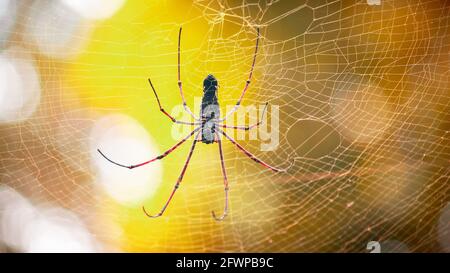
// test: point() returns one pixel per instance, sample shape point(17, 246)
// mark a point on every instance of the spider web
point(362, 93)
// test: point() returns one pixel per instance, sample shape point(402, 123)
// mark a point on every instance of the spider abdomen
point(210, 110)
point(208, 132)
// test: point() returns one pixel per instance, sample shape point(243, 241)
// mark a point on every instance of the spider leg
point(180, 83)
point(225, 183)
point(247, 83)
point(167, 114)
point(155, 158)
point(180, 178)
point(254, 158)
point(246, 128)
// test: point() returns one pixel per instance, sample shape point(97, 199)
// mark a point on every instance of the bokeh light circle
point(19, 85)
point(26, 228)
point(8, 13)
point(122, 139)
point(59, 32)
point(95, 9)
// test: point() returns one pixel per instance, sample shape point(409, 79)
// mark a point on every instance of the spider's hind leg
point(225, 182)
point(177, 184)
point(251, 156)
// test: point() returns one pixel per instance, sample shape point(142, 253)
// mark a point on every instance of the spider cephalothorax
point(210, 84)
point(207, 128)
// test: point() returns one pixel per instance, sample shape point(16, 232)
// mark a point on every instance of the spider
point(207, 131)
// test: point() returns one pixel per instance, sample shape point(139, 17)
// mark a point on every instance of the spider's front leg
point(180, 83)
point(247, 83)
point(167, 114)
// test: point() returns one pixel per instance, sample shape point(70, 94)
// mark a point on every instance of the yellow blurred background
point(363, 97)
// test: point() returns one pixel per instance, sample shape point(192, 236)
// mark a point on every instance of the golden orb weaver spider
point(208, 126)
